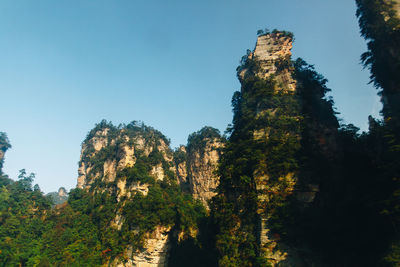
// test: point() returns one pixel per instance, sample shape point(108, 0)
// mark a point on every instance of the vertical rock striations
point(108, 150)
point(122, 162)
point(203, 153)
point(272, 54)
point(135, 175)
point(262, 180)
point(196, 164)
point(270, 61)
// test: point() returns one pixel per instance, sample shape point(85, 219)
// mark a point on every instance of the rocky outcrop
point(111, 159)
point(108, 150)
point(202, 166)
point(284, 119)
point(271, 60)
point(108, 156)
point(153, 254)
point(180, 160)
point(196, 165)
point(272, 54)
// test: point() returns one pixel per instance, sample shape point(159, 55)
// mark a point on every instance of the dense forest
point(297, 187)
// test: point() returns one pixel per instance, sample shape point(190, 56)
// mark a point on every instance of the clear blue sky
point(65, 65)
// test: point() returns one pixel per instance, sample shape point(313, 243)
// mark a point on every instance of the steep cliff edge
point(282, 122)
point(124, 162)
point(203, 164)
point(196, 164)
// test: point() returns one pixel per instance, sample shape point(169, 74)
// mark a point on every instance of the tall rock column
point(277, 130)
point(259, 167)
point(196, 165)
point(122, 162)
point(202, 166)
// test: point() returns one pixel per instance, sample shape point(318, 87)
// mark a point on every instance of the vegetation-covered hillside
point(97, 225)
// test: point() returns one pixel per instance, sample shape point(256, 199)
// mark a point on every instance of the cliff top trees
point(4, 146)
point(380, 26)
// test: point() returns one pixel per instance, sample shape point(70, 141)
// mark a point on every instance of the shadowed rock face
point(180, 160)
point(272, 57)
point(270, 64)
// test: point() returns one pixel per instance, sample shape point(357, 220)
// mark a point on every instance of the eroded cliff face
point(196, 165)
point(271, 53)
point(181, 168)
point(127, 161)
point(202, 166)
point(153, 254)
point(108, 155)
point(109, 151)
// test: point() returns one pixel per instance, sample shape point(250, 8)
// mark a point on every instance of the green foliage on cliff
point(4, 143)
point(198, 140)
point(84, 231)
point(260, 157)
point(380, 25)
point(179, 156)
point(275, 31)
point(164, 205)
point(344, 194)
point(113, 139)
point(80, 233)
point(132, 129)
